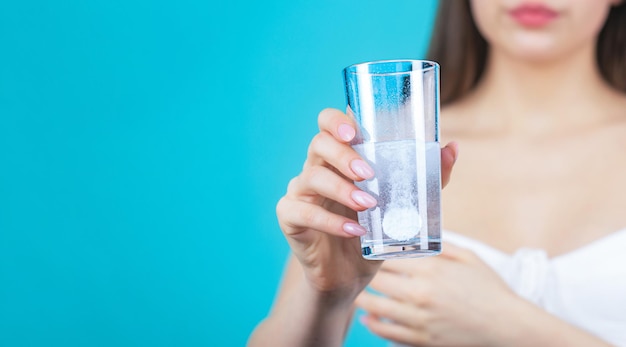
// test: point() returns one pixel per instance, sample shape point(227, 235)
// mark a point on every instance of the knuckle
point(292, 185)
point(423, 294)
point(307, 217)
point(379, 307)
point(324, 112)
point(313, 145)
point(326, 115)
point(284, 215)
point(312, 174)
point(280, 208)
point(317, 143)
point(418, 322)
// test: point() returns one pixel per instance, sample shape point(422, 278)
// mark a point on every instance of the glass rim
point(358, 68)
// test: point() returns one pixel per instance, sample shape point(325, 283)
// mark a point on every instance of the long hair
point(461, 50)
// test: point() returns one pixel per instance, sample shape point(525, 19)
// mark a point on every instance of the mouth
point(533, 15)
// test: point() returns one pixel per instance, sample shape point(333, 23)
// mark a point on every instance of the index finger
point(414, 266)
point(340, 125)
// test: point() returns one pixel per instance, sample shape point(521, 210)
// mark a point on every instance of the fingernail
point(363, 199)
point(354, 229)
point(361, 169)
point(363, 320)
point(346, 132)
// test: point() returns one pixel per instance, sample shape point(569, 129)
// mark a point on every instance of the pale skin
point(542, 166)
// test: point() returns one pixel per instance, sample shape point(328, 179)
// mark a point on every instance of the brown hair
point(461, 50)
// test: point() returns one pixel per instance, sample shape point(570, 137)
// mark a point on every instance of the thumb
point(449, 155)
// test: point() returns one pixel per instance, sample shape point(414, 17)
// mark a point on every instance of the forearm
point(306, 318)
point(532, 326)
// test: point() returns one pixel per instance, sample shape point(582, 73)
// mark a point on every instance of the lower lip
point(533, 17)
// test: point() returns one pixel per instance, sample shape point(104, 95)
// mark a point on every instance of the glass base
point(399, 250)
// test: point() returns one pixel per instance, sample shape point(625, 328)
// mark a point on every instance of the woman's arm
point(302, 316)
point(535, 327)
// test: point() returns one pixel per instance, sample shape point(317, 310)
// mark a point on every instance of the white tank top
point(585, 287)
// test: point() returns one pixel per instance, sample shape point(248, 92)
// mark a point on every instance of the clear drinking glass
point(395, 104)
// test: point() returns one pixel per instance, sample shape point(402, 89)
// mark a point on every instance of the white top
point(585, 287)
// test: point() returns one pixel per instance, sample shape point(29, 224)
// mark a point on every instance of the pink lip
point(533, 15)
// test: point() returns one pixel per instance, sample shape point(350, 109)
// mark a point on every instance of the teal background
point(143, 146)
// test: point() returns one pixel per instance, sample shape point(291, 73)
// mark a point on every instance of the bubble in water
point(402, 223)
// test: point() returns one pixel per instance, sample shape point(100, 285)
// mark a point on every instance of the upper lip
point(534, 8)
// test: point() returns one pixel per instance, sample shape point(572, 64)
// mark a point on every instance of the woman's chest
point(554, 196)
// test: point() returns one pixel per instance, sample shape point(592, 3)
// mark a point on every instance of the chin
point(534, 47)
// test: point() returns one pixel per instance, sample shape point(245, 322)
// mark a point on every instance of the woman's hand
point(453, 299)
point(318, 213)
point(317, 216)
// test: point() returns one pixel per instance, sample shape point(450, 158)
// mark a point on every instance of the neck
point(541, 97)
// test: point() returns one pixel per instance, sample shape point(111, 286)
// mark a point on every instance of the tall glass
point(395, 104)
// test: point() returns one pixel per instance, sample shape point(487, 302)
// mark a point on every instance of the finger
point(322, 181)
point(449, 155)
point(454, 252)
point(395, 332)
point(396, 286)
point(337, 124)
point(298, 217)
point(325, 149)
point(420, 268)
point(400, 266)
point(399, 312)
point(419, 291)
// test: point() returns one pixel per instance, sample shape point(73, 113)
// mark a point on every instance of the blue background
point(143, 146)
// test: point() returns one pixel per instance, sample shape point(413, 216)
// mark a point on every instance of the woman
point(534, 93)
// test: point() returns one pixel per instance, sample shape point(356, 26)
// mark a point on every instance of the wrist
point(312, 318)
point(335, 300)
